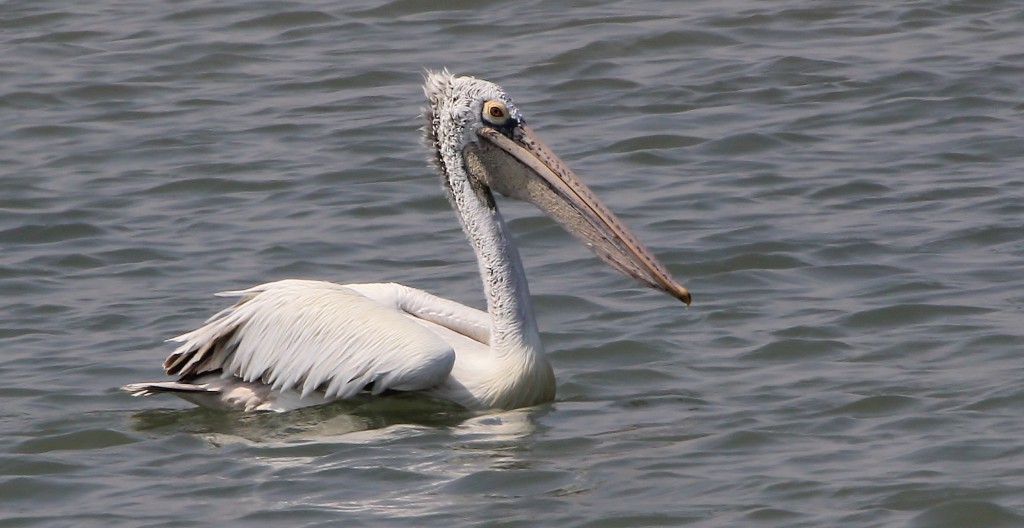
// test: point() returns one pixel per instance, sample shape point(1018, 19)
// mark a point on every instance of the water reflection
point(353, 421)
point(410, 456)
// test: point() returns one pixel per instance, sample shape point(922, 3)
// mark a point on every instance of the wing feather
point(313, 335)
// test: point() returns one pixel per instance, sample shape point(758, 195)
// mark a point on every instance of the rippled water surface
point(841, 185)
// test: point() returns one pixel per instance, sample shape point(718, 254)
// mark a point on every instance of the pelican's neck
point(513, 326)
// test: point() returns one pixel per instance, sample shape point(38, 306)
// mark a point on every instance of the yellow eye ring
point(495, 112)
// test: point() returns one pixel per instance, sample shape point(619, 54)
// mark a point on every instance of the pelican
point(298, 343)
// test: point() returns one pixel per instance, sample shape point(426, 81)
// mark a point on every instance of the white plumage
point(295, 343)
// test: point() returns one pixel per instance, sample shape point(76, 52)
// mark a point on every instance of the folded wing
point(314, 336)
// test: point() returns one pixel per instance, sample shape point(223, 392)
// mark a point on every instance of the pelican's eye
point(495, 113)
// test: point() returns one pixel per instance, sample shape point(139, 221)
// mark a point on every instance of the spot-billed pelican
point(296, 343)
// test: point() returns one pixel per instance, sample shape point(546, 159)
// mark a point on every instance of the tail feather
point(226, 394)
point(157, 387)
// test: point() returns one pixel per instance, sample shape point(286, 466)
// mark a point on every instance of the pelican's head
point(476, 132)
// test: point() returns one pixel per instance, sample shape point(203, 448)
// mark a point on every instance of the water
point(838, 183)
